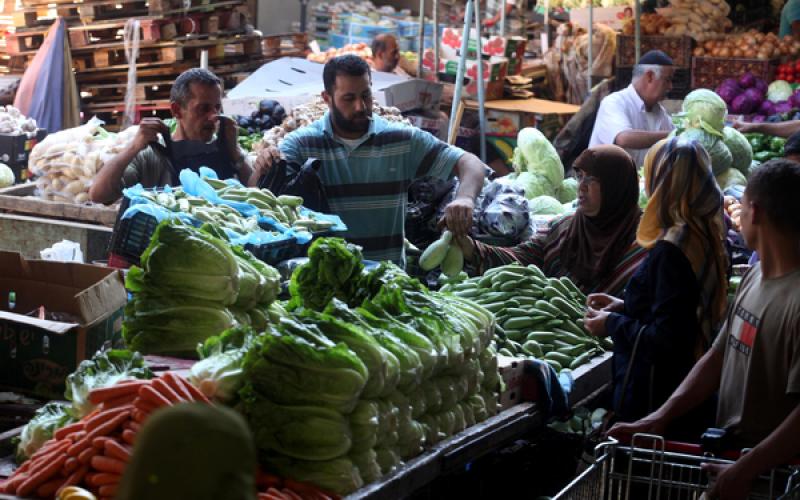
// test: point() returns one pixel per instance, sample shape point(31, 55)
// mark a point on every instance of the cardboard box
point(36, 355)
point(613, 17)
point(294, 81)
point(510, 46)
point(520, 383)
point(15, 150)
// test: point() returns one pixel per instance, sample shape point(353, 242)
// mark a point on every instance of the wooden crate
point(708, 72)
point(679, 48)
point(21, 199)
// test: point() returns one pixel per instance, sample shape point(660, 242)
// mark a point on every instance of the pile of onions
point(750, 45)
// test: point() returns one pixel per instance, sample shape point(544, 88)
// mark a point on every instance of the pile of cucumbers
point(537, 316)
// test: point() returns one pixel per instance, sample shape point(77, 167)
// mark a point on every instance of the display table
point(591, 378)
point(454, 453)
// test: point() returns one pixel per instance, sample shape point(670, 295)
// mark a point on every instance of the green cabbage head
point(740, 149)
point(546, 205)
point(535, 154)
point(721, 158)
point(706, 110)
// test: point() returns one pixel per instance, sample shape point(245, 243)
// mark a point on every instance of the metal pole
point(303, 15)
point(462, 62)
point(481, 90)
point(421, 48)
point(204, 58)
point(591, 37)
point(638, 31)
point(502, 17)
point(546, 26)
point(436, 39)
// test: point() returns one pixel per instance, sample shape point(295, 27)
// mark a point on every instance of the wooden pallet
point(115, 92)
point(225, 21)
point(285, 45)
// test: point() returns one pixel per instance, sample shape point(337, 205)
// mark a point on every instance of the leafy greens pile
point(365, 370)
point(193, 285)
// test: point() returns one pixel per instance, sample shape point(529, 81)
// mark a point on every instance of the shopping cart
point(654, 469)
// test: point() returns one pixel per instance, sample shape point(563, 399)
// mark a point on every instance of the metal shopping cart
point(654, 469)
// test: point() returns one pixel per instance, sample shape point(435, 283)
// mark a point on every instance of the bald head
point(385, 53)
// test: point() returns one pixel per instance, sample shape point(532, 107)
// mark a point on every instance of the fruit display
point(362, 50)
point(651, 24)
point(536, 316)
point(699, 19)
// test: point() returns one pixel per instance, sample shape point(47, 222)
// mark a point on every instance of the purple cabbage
point(783, 107)
point(767, 108)
point(728, 93)
point(744, 104)
point(747, 80)
point(762, 85)
point(755, 94)
point(794, 99)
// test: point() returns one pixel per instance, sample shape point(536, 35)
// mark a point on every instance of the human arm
point(781, 129)
point(458, 213)
point(107, 182)
point(230, 132)
point(605, 302)
point(639, 139)
point(485, 256)
point(266, 157)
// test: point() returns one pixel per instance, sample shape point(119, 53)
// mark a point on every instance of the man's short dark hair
point(773, 187)
point(181, 91)
point(792, 146)
point(350, 65)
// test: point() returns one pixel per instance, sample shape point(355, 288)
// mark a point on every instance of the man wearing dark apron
point(203, 138)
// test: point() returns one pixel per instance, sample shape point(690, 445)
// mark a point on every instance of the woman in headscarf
point(677, 298)
point(595, 247)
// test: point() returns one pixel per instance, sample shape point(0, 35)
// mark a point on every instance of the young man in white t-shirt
point(755, 361)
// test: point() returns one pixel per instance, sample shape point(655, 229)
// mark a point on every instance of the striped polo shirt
point(367, 185)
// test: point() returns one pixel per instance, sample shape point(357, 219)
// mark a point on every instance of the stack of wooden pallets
point(172, 33)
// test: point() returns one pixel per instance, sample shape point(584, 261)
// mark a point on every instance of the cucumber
point(569, 338)
point(536, 271)
point(554, 323)
point(513, 346)
point(575, 350)
point(607, 343)
point(544, 305)
point(572, 287)
point(558, 285)
point(555, 364)
point(515, 335)
point(469, 293)
point(581, 359)
point(519, 322)
point(505, 352)
point(503, 277)
point(552, 292)
point(542, 337)
point(574, 329)
point(541, 313)
point(567, 308)
point(533, 347)
point(494, 306)
point(562, 359)
point(516, 311)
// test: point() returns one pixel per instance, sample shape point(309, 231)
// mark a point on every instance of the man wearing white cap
point(633, 117)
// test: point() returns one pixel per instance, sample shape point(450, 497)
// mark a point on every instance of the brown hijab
point(593, 246)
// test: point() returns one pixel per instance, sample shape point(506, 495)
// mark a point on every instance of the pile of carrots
point(272, 487)
point(93, 452)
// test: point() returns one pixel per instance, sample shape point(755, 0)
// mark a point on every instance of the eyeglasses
point(584, 179)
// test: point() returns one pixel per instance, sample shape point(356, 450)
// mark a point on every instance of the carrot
point(111, 425)
point(71, 464)
point(291, 495)
point(175, 382)
point(165, 390)
point(195, 392)
point(107, 464)
point(49, 488)
point(104, 416)
point(145, 406)
point(102, 478)
point(77, 476)
point(49, 447)
point(99, 442)
point(13, 483)
point(128, 436)
point(147, 393)
point(41, 475)
point(108, 490)
point(132, 425)
point(116, 450)
point(98, 396)
point(51, 455)
point(78, 447)
point(139, 416)
point(68, 429)
point(87, 455)
point(120, 401)
point(76, 436)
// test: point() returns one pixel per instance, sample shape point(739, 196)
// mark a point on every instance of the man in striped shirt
point(368, 164)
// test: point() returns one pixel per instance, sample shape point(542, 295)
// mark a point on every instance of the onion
point(750, 53)
point(725, 52)
point(699, 52)
point(708, 45)
point(737, 52)
point(762, 55)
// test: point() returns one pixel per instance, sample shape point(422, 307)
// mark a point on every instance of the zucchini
point(550, 308)
point(573, 288)
point(562, 359)
point(581, 359)
point(505, 352)
point(568, 337)
point(519, 322)
point(515, 335)
point(536, 271)
point(574, 329)
point(533, 347)
point(542, 337)
point(555, 364)
point(558, 285)
point(567, 308)
point(453, 262)
point(551, 292)
point(434, 255)
point(554, 323)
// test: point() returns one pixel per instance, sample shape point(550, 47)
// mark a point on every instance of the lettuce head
point(740, 148)
point(705, 110)
point(535, 154)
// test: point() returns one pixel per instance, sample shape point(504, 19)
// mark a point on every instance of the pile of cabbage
point(750, 95)
point(703, 120)
point(365, 369)
point(538, 170)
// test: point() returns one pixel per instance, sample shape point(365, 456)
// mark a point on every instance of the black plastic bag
point(305, 183)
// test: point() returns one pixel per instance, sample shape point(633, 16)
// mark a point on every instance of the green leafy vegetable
point(721, 158)
point(705, 110)
point(40, 428)
point(219, 373)
point(332, 271)
point(545, 205)
point(535, 154)
point(568, 190)
point(741, 151)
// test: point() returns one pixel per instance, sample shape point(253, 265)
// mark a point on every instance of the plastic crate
point(708, 72)
point(679, 48)
point(277, 251)
point(681, 81)
point(132, 236)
